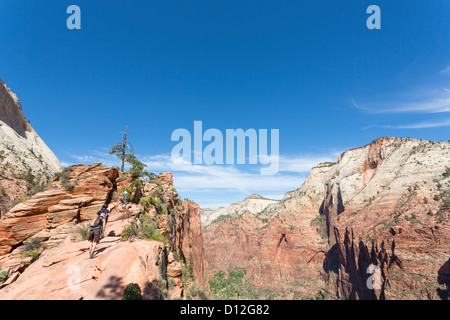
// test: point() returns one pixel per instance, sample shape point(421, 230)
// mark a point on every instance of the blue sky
point(308, 68)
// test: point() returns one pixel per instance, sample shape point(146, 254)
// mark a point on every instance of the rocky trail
point(63, 270)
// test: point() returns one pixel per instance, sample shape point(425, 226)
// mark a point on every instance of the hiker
point(123, 199)
point(95, 231)
point(105, 220)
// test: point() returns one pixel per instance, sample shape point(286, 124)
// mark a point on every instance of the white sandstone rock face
point(385, 166)
point(398, 164)
point(380, 173)
point(21, 148)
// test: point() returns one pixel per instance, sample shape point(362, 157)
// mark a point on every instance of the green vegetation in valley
point(318, 296)
point(231, 285)
point(194, 291)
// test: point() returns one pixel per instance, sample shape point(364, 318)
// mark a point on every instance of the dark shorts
point(94, 235)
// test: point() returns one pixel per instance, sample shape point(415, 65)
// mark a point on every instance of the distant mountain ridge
point(253, 203)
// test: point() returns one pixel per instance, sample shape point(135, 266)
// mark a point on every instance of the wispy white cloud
point(190, 177)
point(434, 103)
point(438, 103)
point(94, 156)
point(446, 70)
point(65, 164)
point(301, 164)
point(423, 125)
point(210, 185)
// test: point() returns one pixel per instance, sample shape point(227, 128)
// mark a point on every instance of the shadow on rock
point(112, 290)
point(152, 291)
point(444, 278)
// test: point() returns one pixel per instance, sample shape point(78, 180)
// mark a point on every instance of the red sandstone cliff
point(64, 270)
point(384, 205)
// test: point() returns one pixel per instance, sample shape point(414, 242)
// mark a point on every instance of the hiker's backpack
point(97, 223)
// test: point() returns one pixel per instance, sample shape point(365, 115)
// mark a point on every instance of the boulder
point(78, 194)
point(69, 274)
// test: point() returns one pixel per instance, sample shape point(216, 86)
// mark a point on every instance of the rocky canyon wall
point(382, 207)
point(25, 160)
point(56, 217)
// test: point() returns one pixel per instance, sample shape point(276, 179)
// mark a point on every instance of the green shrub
point(19, 200)
point(148, 226)
point(83, 232)
point(171, 283)
point(176, 256)
point(190, 265)
point(64, 178)
point(149, 229)
point(3, 275)
point(320, 224)
point(145, 228)
point(446, 172)
point(129, 231)
point(32, 248)
point(132, 292)
point(33, 244)
point(68, 186)
point(145, 202)
point(155, 199)
point(413, 219)
point(318, 296)
point(159, 237)
point(196, 291)
point(186, 275)
point(34, 254)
